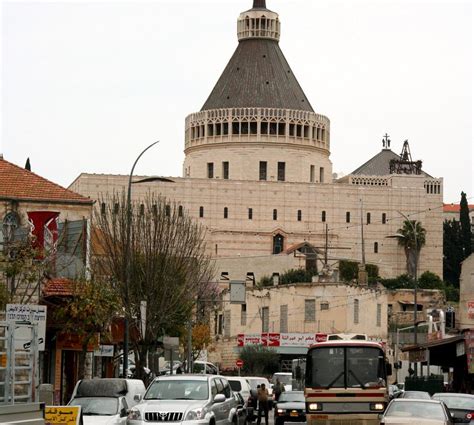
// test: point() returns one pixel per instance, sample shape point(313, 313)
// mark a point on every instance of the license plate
point(294, 414)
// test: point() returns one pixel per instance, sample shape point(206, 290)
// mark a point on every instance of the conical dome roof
point(258, 75)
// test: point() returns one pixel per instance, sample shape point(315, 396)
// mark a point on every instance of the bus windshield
point(345, 367)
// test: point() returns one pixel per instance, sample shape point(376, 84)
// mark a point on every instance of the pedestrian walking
point(278, 388)
point(262, 397)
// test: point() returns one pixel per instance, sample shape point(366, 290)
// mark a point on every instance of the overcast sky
point(87, 85)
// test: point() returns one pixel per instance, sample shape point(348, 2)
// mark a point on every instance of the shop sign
point(417, 356)
point(273, 339)
point(31, 313)
point(63, 415)
point(104, 351)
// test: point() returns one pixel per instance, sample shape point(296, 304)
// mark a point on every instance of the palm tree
point(412, 237)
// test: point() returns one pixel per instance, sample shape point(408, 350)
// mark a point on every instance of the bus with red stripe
point(346, 382)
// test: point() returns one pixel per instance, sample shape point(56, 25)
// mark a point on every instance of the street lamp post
point(127, 260)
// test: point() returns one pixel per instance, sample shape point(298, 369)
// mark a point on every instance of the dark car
point(290, 408)
point(460, 405)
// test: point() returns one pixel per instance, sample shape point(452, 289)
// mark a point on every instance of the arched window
point(278, 241)
point(11, 221)
point(376, 247)
point(298, 215)
point(384, 218)
point(102, 208)
point(368, 218)
point(323, 216)
point(275, 214)
point(348, 217)
point(201, 212)
point(180, 211)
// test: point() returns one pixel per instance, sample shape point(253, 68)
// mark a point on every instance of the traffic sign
point(239, 363)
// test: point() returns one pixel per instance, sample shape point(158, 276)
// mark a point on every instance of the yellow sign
point(62, 415)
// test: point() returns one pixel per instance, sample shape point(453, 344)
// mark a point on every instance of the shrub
point(259, 360)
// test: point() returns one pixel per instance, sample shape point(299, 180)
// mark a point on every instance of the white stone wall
point(238, 236)
point(466, 294)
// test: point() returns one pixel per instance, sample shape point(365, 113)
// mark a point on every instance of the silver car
point(191, 399)
point(402, 411)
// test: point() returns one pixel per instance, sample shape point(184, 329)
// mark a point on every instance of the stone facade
point(302, 308)
point(466, 294)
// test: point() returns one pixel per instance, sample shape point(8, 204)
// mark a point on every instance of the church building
point(257, 174)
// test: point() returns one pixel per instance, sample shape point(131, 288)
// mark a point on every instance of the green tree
point(466, 234)
point(349, 270)
point(412, 237)
point(88, 312)
point(259, 360)
point(169, 266)
point(452, 252)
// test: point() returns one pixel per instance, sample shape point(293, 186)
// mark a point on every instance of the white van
point(107, 400)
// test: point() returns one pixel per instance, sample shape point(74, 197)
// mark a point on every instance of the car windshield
point(103, 406)
point(345, 367)
point(291, 396)
point(235, 385)
point(285, 378)
point(174, 389)
point(416, 394)
point(416, 409)
point(457, 401)
point(257, 381)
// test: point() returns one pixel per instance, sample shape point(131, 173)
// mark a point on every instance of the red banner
point(44, 228)
point(273, 339)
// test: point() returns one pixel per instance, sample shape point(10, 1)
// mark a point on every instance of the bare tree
point(168, 263)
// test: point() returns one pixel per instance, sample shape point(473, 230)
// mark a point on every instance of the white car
point(258, 380)
point(193, 399)
point(106, 401)
point(240, 385)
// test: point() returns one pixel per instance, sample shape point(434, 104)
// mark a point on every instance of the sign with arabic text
point(62, 415)
point(32, 313)
point(274, 339)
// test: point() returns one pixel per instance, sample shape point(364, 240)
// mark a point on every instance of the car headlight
point(195, 414)
point(134, 415)
point(280, 411)
point(377, 406)
point(314, 407)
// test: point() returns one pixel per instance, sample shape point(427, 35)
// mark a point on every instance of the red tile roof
point(19, 183)
point(455, 208)
point(58, 287)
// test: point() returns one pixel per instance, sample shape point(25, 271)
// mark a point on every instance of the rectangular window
point(250, 213)
point(324, 305)
point(201, 212)
point(311, 173)
point(210, 170)
point(309, 310)
point(299, 215)
point(225, 170)
point(321, 174)
point(263, 170)
point(356, 311)
point(368, 218)
point(226, 212)
point(265, 319)
point(281, 171)
point(275, 214)
point(227, 323)
point(243, 315)
point(284, 318)
point(376, 247)
point(379, 315)
point(384, 218)
point(348, 217)
point(220, 324)
point(323, 216)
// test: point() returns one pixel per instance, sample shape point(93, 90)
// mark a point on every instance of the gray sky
point(87, 85)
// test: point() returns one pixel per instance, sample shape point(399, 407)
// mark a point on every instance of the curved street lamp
point(127, 260)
